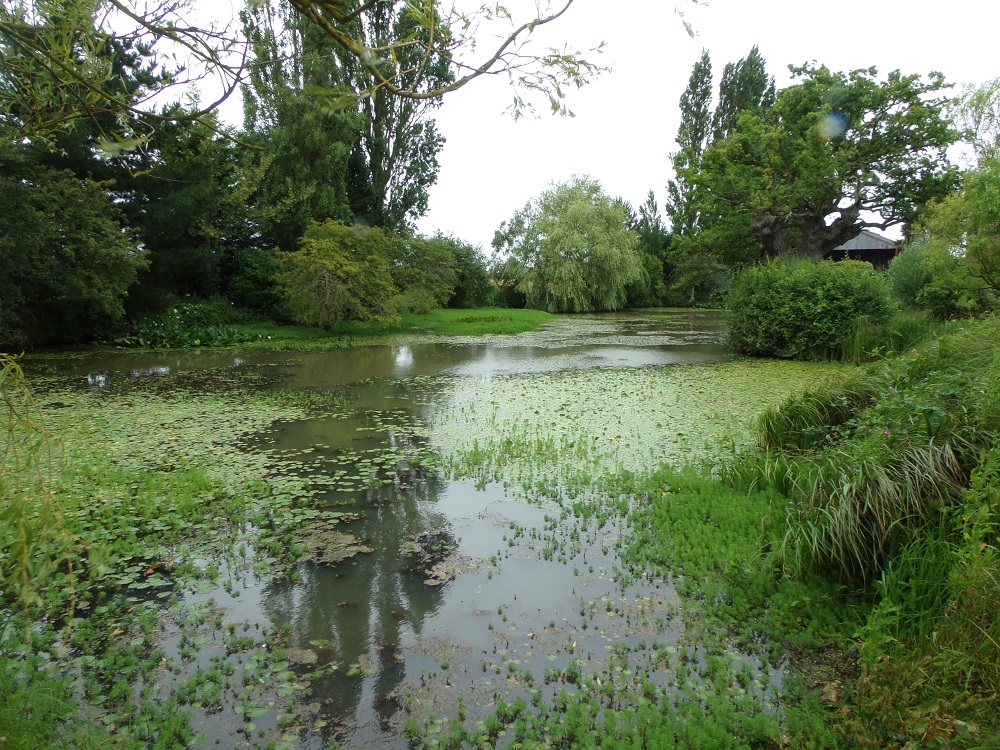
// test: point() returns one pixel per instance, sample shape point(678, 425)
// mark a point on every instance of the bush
point(928, 275)
point(188, 325)
point(419, 301)
point(908, 274)
point(340, 273)
point(801, 309)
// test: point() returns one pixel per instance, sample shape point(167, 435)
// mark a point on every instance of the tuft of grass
point(817, 416)
point(865, 461)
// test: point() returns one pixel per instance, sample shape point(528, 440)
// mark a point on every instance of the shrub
point(420, 301)
point(801, 309)
point(188, 325)
point(908, 274)
point(930, 275)
point(340, 273)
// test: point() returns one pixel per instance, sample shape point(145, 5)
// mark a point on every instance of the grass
point(891, 486)
point(443, 322)
point(477, 322)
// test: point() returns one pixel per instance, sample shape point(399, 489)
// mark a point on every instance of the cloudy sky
point(625, 123)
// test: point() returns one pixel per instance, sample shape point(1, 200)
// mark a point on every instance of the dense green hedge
point(802, 309)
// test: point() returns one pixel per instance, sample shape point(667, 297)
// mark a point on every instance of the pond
point(461, 573)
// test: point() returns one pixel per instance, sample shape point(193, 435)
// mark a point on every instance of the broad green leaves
point(801, 186)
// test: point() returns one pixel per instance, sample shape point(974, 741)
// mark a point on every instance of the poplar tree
point(745, 86)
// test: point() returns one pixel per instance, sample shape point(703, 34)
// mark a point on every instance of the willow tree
point(453, 35)
point(572, 249)
point(56, 70)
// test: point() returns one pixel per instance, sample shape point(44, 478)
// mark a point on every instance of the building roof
point(867, 241)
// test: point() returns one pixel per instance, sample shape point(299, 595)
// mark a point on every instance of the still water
point(525, 596)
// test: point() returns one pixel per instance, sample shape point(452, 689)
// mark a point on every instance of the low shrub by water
point(802, 309)
point(189, 325)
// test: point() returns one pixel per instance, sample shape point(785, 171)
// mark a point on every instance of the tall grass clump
point(868, 460)
point(890, 486)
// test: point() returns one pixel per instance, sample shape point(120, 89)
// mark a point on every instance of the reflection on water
point(569, 342)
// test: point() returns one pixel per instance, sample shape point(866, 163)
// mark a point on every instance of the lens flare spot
point(831, 125)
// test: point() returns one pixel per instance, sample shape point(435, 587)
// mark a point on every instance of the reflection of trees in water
point(361, 606)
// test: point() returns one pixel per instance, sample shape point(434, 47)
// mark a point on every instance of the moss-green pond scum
point(473, 547)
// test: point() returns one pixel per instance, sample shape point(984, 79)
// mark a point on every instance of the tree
point(574, 249)
point(968, 221)
point(65, 260)
point(302, 147)
point(394, 161)
point(744, 87)
point(474, 286)
point(928, 275)
point(184, 197)
point(654, 241)
point(56, 70)
point(837, 153)
point(424, 265)
point(704, 244)
point(451, 36)
point(339, 273)
point(976, 112)
point(689, 264)
point(692, 138)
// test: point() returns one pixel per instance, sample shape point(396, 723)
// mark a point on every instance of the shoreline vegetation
point(854, 549)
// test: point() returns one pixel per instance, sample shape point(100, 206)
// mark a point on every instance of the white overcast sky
point(625, 123)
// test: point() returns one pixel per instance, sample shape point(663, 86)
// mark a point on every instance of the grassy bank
point(218, 323)
point(443, 322)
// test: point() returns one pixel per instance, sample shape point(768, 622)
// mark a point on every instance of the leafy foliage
point(254, 282)
point(187, 325)
point(744, 86)
point(339, 273)
point(65, 261)
point(802, 309)
point(704, 243)
point(929, 275)
point(892, 485)
point(474, 286)
point(571, 249)
point(433, 37)
point(968, 221)
point(426, 264)
point(835, 154)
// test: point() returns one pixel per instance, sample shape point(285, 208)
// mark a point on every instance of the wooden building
point(868, 246)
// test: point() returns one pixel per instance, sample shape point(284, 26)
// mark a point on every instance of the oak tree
point(837, 153)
